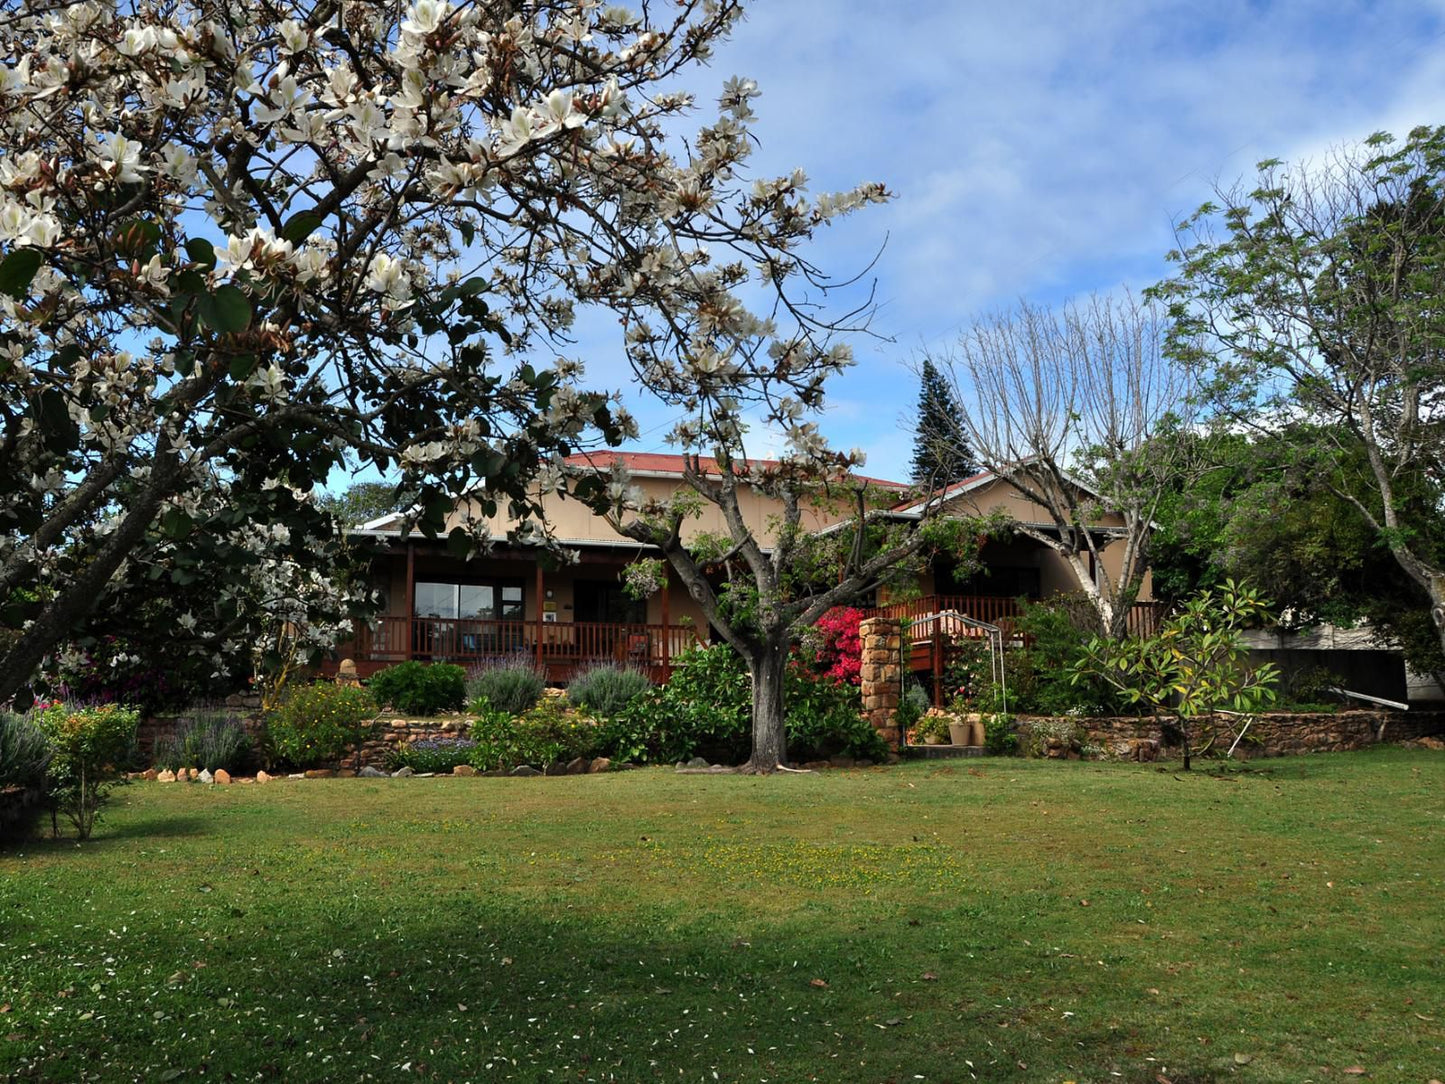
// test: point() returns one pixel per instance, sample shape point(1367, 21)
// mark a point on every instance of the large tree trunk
point(770, 742)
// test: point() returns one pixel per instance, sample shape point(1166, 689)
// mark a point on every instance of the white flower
point(561, 112)
point(294, 37)
point(388, 276)
point(154, 275)
point(120, 157)
point(425, 16)
point(515, 133)
point(137, 40)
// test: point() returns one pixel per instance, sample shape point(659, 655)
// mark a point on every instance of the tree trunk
point(770, 744)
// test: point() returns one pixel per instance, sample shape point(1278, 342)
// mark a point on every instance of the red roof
point(661, 463)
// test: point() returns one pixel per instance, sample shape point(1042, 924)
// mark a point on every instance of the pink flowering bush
point(835, 647)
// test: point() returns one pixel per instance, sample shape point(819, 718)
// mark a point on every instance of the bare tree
point(1067, 406)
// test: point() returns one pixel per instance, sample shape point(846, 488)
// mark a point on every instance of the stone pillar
point(882, 674)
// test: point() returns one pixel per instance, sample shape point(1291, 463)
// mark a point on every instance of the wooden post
point(666, 622)
point(539, 615)
point(410, 625)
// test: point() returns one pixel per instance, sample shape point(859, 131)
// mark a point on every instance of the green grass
point(995, 920)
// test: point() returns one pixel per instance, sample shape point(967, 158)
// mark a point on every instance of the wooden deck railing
point(560, 647)
point(1144, 617)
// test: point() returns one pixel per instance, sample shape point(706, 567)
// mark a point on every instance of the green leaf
point(228, 310)
point(176, 524)
point(18, 270)
point(458, 544)
point(301, 226)
point(242, 366)
point(201, 251)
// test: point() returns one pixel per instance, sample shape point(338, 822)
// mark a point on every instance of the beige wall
point(570, 519)
point(1055, 573)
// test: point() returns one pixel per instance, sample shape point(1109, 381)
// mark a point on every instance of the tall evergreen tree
point(940, 452)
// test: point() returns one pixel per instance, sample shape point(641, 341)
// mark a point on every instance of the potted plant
point(933, 728)
point(960, 729)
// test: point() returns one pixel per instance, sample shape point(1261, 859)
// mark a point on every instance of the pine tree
point(940, 455)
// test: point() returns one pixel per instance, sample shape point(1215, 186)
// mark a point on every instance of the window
point(484, 601)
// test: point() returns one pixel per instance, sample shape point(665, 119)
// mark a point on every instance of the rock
point(166, 776)
point(863, 762)
point(222, 776)
point(426, 775)
point(698, 762)
point(556, 768)
point(577, 766)
point(193, 773)
point(346, 673)
point(524, 771)
point(403, 773)
point(153, 775)
point(841, 760)
point(319, 773)
point(206, 776)
point(601, 764)
point(494, 773)
point(345, 773)
point(373, 773)
point(263, 777)
point(464, 769)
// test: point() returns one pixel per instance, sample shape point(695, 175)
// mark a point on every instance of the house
point(440, 607)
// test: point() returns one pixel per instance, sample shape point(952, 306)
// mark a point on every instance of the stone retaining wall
point(1273, 735)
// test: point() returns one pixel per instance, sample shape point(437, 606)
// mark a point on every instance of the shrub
point(89, 749)
point(207, 739)
point(545, 735)
point(24, 758)
point(316, 724)
point(511, 684)
point(824, 717)
point(434, 754)
point(606, 690)
point(706, 710)
point(419, 688)
point(833, 646)
point(999, 734)
point(1040, 674)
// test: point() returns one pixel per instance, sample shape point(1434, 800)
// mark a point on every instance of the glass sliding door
point(452, 620)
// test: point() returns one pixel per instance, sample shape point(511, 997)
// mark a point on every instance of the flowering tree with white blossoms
point(245, 239)
point(169, 631)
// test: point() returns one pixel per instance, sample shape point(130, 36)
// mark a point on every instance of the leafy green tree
point(1315, 296)
point(88, 751)
point(940, 450)
point(362, 502)
point(1268, 513)
point(1193, 668)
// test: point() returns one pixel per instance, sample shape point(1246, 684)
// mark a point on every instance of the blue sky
point(1038, 150)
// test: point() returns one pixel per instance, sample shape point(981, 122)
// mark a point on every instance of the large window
point(484, 601)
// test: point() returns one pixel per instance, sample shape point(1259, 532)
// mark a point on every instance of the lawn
point(989, 920)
